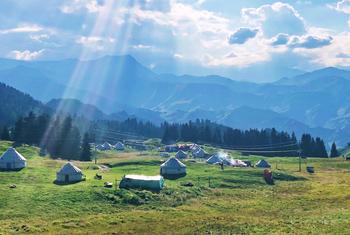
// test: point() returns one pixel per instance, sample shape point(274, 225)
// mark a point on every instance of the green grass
point(236, 201)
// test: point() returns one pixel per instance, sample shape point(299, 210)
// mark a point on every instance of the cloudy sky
point(184, 36)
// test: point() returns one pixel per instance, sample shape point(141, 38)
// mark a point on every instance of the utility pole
point(299, 152)
point(95, 154)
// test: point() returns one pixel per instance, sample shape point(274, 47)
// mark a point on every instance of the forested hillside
point(15, 104)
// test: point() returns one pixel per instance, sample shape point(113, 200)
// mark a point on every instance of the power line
point(267, 147)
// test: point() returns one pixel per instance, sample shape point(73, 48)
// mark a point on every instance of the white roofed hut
point(119, 146)
point(181, 155)
point(173, 169)
point(104, 147)
point(68, 174)
point(11, 160)
point(219, 158)
point(262, 164)
point(200, 153)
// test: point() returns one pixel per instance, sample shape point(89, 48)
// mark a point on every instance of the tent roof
point(199, 151)
point(12, 155)
point(216, 158)
point(69, 168)
point(173, 162)
point(262, 163)
point(143, 177)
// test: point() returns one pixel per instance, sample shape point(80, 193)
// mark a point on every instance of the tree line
point(55, 135)
point(61, 138)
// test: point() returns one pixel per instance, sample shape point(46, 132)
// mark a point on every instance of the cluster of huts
point(11, 160)
point(172, 168)
point(107, 146)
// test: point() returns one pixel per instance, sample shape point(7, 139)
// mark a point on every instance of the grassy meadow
point(232, 201)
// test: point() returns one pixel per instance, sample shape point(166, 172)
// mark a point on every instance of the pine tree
point(86, 149)
point(321, 148)
point(334, 151)
point(5, 134)
point(18, 135)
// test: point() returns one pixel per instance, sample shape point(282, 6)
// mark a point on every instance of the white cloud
point(142, 47)
point(275, 19)
point(335, 54)
point(178, 56)
point(95, 43)
point(341, 6)
point(73, 6)
point(26, 54)
point(39, 37)
point(23, 28)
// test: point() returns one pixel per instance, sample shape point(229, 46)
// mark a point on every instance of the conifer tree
point(5, 134)
point(86, 149)
point(334, 151)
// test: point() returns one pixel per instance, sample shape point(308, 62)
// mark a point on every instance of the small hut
point(69, 173)
point(153, 183)
point(119, 146)
point(181, 155)
point(262, 164)
point(105, 146)
point(12, 160)
point(219, 158)
point(173, 169)
point(200, 153)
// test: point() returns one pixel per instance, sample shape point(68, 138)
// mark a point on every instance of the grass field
point(237, 201)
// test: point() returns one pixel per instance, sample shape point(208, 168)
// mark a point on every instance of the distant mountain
point(302, 79)
point(121, 87)
point(75, 107)
point(15, 104)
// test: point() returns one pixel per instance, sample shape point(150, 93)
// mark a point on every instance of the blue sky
point(184, 36)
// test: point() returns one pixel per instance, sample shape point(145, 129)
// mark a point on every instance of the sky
point(181, 36)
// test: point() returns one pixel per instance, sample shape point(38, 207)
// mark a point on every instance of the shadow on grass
point(135, 163)
point(67, 183)
point(11, 170)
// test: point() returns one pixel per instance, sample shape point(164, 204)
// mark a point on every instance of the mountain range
point(117, 87)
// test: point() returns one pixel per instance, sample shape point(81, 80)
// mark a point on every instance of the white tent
point(181, 155)
point(69, 173)
point(199, 153)
point(105, 146)
point(173, 168)
point(262, 164)
point(119, 146)
point(238, 163)
point(219, 158)
point(12, 160)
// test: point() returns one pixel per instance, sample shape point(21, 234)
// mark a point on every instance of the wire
point(266, 145)
point(270, 147)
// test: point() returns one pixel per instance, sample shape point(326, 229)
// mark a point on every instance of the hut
point(105, 146)
point(219, 158)
point(173, 169)
point(153, 183)
point(119, 146)
point(12, 160)
point(181, 155)
point(200, 153)
point(262, 164)
point(69, 173)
